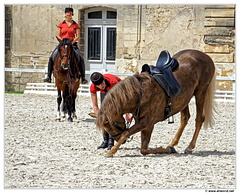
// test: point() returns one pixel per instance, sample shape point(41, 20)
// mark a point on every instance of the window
point(111, 43)
point(94, 43)
point(95, 15)
point(105, 15)
point(100, 35)
point(111, 15)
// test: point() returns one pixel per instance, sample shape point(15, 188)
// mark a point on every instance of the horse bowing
point(196, 77)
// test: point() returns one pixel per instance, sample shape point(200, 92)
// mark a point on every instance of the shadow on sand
point(200, 153)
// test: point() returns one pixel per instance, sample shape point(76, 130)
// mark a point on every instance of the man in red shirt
point(103, 83)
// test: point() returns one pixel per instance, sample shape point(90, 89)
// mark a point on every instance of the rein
point(137, 111)
point(115, 124)
point(65, 55)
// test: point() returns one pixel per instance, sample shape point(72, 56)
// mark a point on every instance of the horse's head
point(65, 49)
point(115, 128)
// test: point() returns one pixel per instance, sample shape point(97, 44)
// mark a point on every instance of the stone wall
point(33, 33)
point(219, 39)
point(209, 28)
point(156, 28)
point(143, 31)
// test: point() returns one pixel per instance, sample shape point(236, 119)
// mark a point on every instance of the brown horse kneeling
point(196, 76)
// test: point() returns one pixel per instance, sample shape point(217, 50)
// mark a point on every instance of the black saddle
point(163, 73)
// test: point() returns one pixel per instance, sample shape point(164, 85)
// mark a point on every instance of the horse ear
point(58, 39)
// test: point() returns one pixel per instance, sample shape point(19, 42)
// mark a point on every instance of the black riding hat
point(97, 78)
point(68, 9)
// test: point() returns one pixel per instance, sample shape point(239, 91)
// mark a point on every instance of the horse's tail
point(209, 104)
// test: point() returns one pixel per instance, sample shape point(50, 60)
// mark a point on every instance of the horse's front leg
point(69, 107)
point(64, 106)
point(126, 134)
point(59, 100)
point(115, 148)
point(74, 116)
point(145, 139)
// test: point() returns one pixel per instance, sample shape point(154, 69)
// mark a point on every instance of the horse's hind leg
point(185, 115)
point(200, 98)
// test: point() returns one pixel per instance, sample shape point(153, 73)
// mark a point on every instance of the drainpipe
point(139, 33)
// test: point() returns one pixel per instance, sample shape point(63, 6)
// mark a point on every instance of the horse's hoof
point(188, 151)
point(70, 119)
point(75, 117)
point(109, 154)
point(58, 120)
point(172, 149)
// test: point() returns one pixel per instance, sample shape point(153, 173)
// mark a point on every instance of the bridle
point(65, 55)
point(136, 115)
point(116, 126)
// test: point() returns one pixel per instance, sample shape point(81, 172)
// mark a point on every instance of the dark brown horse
point(65, 73)
point(196, 76)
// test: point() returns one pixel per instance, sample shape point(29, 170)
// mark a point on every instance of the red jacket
point(110, 80)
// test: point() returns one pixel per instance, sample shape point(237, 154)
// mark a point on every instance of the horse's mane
point(117, 97)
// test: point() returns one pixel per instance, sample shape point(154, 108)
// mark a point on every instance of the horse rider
point(71, 30)
point(103, 83)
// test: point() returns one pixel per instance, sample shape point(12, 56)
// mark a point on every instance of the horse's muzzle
point(64, 66)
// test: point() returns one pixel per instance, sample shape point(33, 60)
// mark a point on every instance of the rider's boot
point(84, 81)
point(110, 143)
point(48, 79)
point(105, 141)
point(50, 69)
point(81, 67)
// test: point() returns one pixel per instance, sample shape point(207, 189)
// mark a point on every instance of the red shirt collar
point(64, 21)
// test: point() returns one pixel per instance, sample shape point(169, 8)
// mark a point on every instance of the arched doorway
point(100, 39)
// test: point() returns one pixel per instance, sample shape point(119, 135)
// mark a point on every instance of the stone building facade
point(118, 38)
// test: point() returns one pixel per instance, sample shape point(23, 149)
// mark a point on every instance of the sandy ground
point(42, 153)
